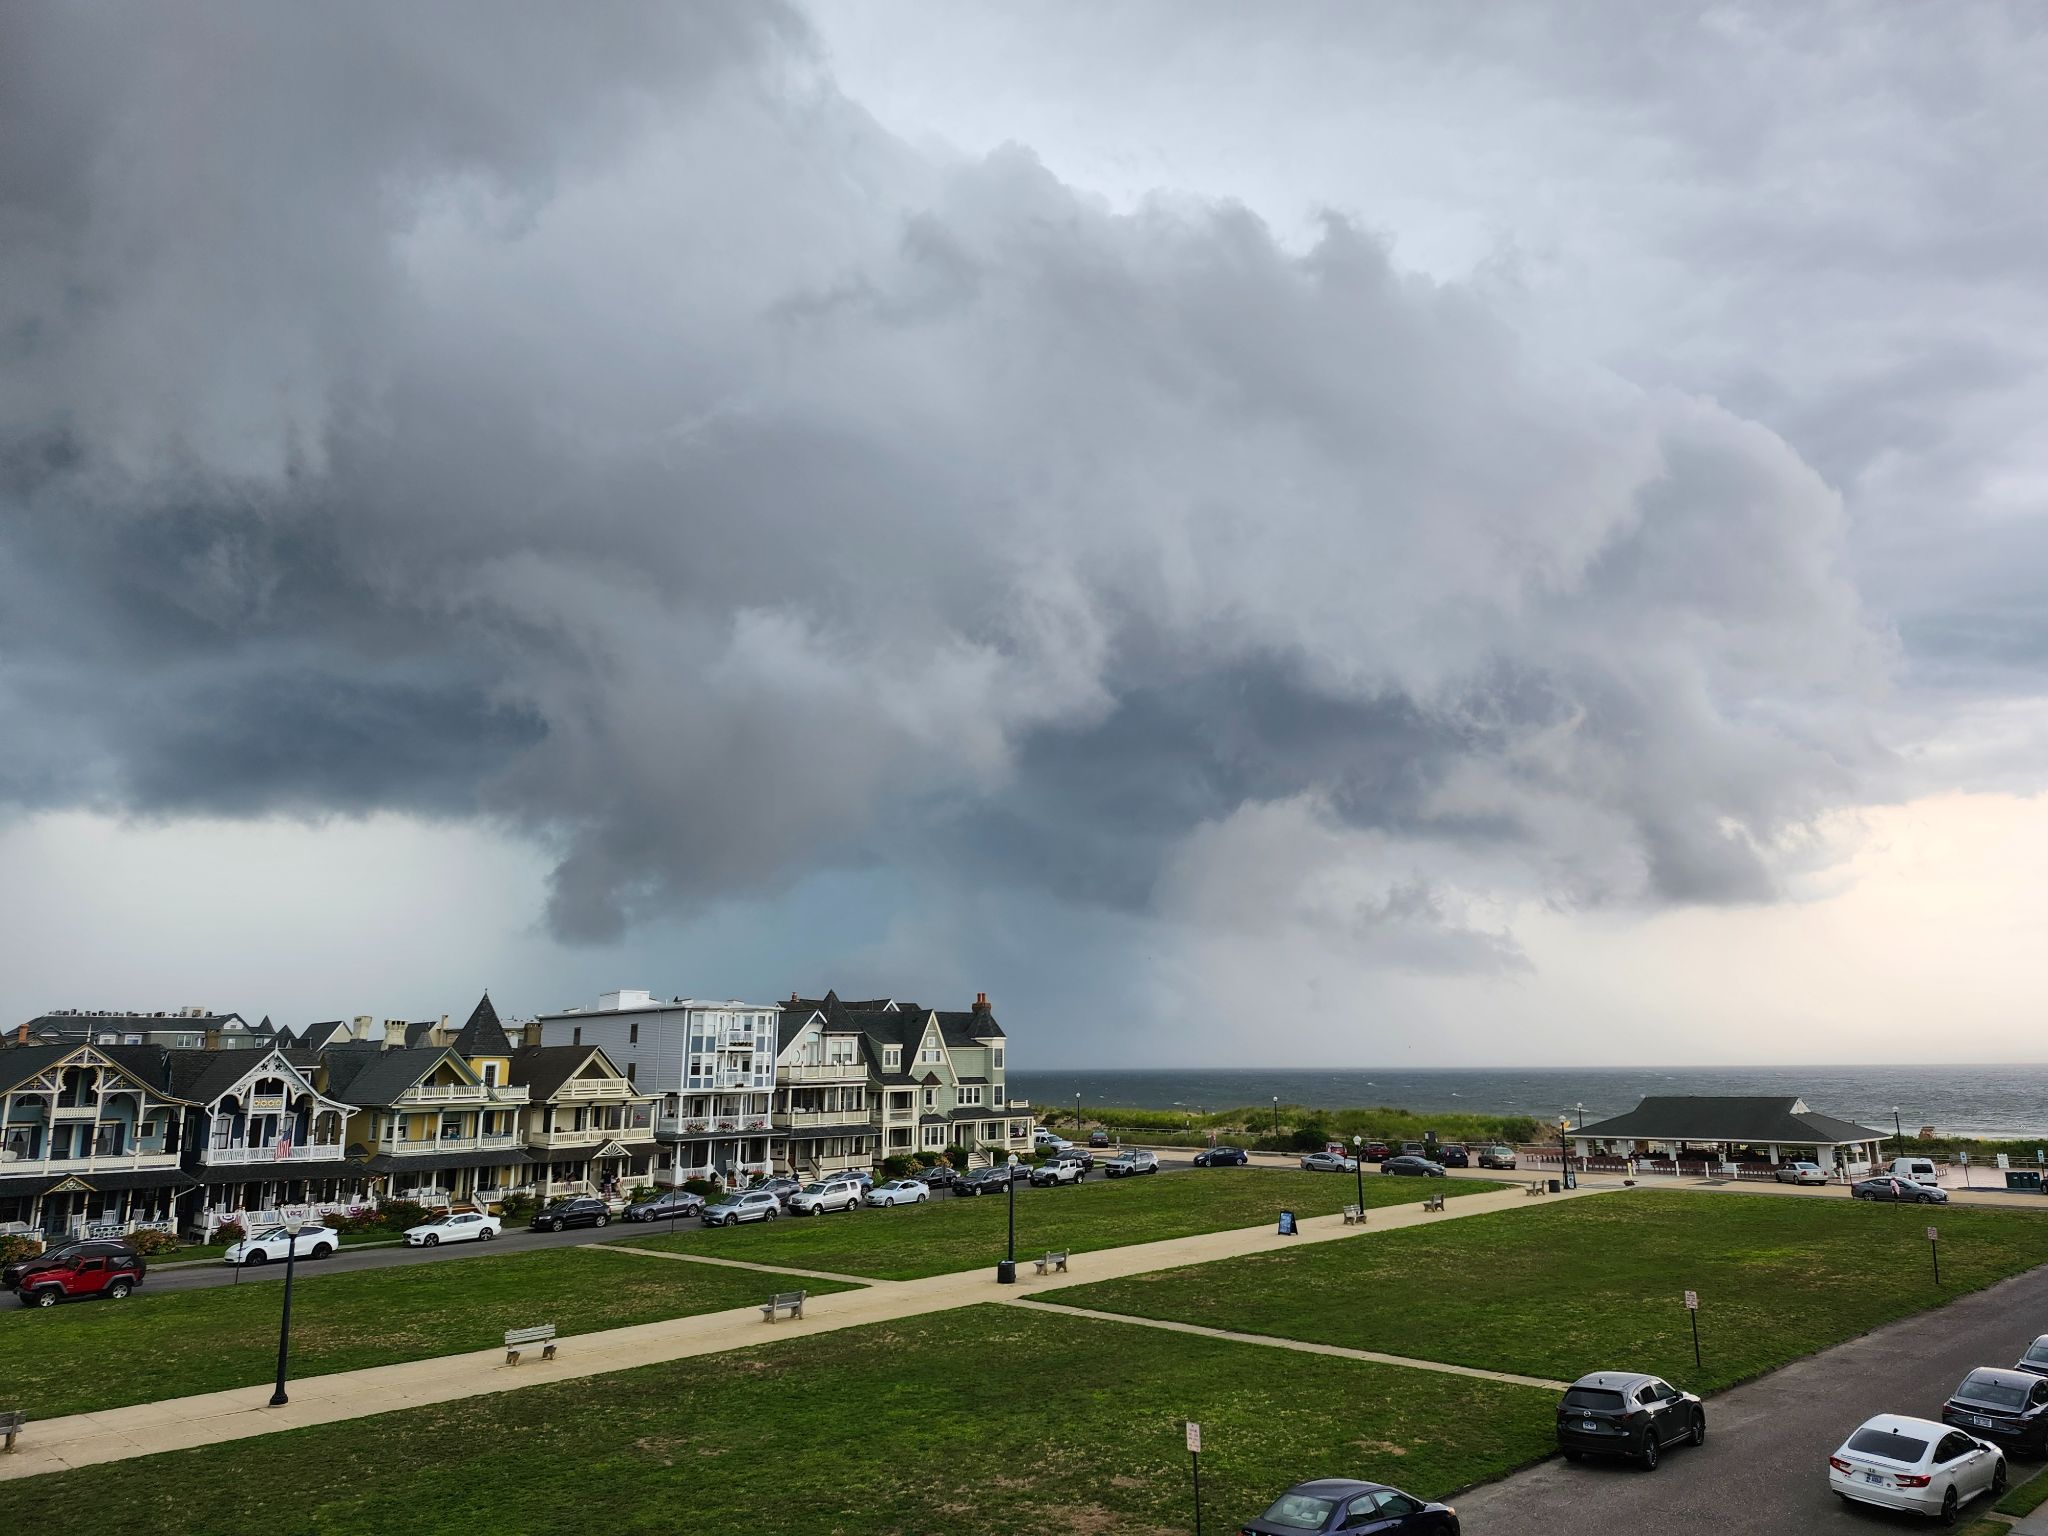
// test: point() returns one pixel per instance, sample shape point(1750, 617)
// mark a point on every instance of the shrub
point(959, 1157)
point(397, 1215)
point(149, 1241)
point(896, 1167)
point(704, 1189)
point(517, 1208)
point(20, 1245)
point(640, 1192)
point(1308, 1138)
point(229, 1233)
point(924, 1158)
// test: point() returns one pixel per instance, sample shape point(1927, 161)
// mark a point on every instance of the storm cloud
point(599, 425)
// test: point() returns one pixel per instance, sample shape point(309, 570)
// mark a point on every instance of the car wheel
point(602, 1220)
point(556, 1226)
point(47, 1298)
point(770, 1215)
point(485, 1234)
point(1998, 1479)
point(255, 1256)
point(922, 1198)
point(1948, 1506)
point(1649, 1450)
point(1699, 1429)
point(321, 1250)
point(433, 1239)
point(119, 1290)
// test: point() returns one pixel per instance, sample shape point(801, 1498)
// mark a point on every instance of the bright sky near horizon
point(1403, 534)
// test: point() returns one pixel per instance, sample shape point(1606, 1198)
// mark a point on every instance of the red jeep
point(93, 1267)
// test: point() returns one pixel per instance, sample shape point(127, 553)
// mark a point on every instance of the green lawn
point(983, 1421)
point(1558, 1290)
point(949, 1234)
point(102, 1354)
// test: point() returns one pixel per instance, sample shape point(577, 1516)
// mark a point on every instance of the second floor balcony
point(422, 1146)
point(816, 1119)
point(824, 1072)
point(463, 1093)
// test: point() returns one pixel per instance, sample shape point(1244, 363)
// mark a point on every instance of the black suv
point(581, 1211)
point(983, 1181)
point(1452, 1154)
point(2008, 1407)
point(938, 1176)
point(1625, 1413)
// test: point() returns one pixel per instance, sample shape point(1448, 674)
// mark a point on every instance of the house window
point(631, 1068)
point(995, 1095)
point(998, 1056)
point(931, 1098)
point(892, 1057)
point(577, 1037)
point(633, 1033)
point(490, 1074)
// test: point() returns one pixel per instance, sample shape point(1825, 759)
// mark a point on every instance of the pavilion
point(1733, 1131)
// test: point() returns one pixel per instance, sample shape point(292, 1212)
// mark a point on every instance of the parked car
point(669, 1204)
point(76, 1271)
point(899, 1192)
point(1407, 1166)
point(1377, 1151)
point(1915, 1465)
point(457, 1227)
point(983, 1181)
point(577, 1211)
point(1920, 1170)
point(1625, 1413)
point(826, 1195)
point(1888, 1186)
point(1452, 1154)
point(860, 1176)
point(274, 1243)
point(1497, 1157)
point(1057, 1170)
point(1221, 1157)
point(938, 1176)
point(1328, 1162)
point(781, 1187)
point(748, 1205)
point(1340, 1504)
point(1131, 1163)
point(1414, 1149)
point(1077, 1155)
point(2036, 1357)
point(2009, 1408)
point(1043, 1140)
point(1098, 1137)
point(1801, 1173)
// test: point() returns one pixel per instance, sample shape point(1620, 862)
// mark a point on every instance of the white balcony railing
point(825, 1072)
point(805, 1119)
point(589, 1136)
point(226, 1157)
point(464, 1093)
point(132, 1161)
point(596, 1088)
point(403, 1146)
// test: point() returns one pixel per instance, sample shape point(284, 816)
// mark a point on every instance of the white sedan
point(456, 1227)
point(1915, 1465)
point(273, 1243)
point(899, 1192)
point(1801, 1173)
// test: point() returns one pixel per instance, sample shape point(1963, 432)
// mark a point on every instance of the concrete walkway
point(211, 1418)
point(1272, 1341)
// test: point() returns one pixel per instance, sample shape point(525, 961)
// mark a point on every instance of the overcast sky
point(1255, 535)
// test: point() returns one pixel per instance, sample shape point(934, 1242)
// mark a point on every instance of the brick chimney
point(981, 1002)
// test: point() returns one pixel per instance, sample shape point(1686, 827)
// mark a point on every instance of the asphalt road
point(1763, 1470)
point(198, 1277)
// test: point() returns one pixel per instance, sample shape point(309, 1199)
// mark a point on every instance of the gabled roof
point(326, 1033)
point(204, 1075)
point(379, 1077)
point(19, 1063)
point(1691, 1117)
point(483, 1035)
point(416, 1033)
point(146, 1064)
point(969, 1027)
point(543, 1069)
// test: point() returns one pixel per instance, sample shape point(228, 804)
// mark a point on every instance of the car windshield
point(2038, 1350)
point(1889, 1444)
point(1299, 1511)
point(1591, 1397)
point(1980, 1388)
point(816, 1189)
point(268, 1233)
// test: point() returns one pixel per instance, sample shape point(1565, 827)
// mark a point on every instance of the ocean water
point(2003, 1102)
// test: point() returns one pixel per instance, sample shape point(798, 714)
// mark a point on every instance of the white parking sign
point(1194, 1438)
point(1932, 1235)
point(1692, 1301)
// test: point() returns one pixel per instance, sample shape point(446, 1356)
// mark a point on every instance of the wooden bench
point(1433, 1203)
point(1354, 1216)
point(517, 1339)
point(12, 1422)
point(791, 1302)
point(1052, 1262)
point(1535, 1187)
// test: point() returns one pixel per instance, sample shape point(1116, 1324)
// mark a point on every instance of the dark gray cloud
point(600, 425)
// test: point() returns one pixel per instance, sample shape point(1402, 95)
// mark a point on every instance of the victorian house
point(258, 1134)
point(823, 1118)
point(89, 1139)
point(587, 1130)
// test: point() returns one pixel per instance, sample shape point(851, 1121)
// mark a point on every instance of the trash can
point(1555, 1185)
point(2023, 1178)
point(1006, 1272)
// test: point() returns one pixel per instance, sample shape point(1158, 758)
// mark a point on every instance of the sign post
point(1692, 1310)
point(1934, 1252)
point(1195, 1464)
point(1287, 1227)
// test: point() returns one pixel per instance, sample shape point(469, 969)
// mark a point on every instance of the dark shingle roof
point(327, 1032)
point(969, 1026)
point(483, 1035)
point(542, 1069)
point(1688, 1117)
point(379, 1077)
point(203, 1076)
point(19, 1063)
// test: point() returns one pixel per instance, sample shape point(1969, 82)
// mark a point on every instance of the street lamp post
point(1358, 1167)
point(1077, 1111)
point(284, 1327)
point(1898, 1130)
point(1582, 1115)
point(1564, 1155)
point(1276, 1120)
point(1006, 1272)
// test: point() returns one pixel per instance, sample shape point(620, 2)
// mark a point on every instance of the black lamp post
point(1564, 1154)
point(1077, 1112)
point(1898, 1130)
point(1276, 1121)
point(1358, 1167)
point(1006, 1272)
point(284, 1327)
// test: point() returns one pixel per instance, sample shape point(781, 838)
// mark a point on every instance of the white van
point(1919, 1169)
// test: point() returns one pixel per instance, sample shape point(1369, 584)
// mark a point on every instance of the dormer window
point(490, 1074)
point(892, 1057)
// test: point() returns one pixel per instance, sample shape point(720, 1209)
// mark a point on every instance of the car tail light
point(1840, 1465)
point(1913, 1479)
